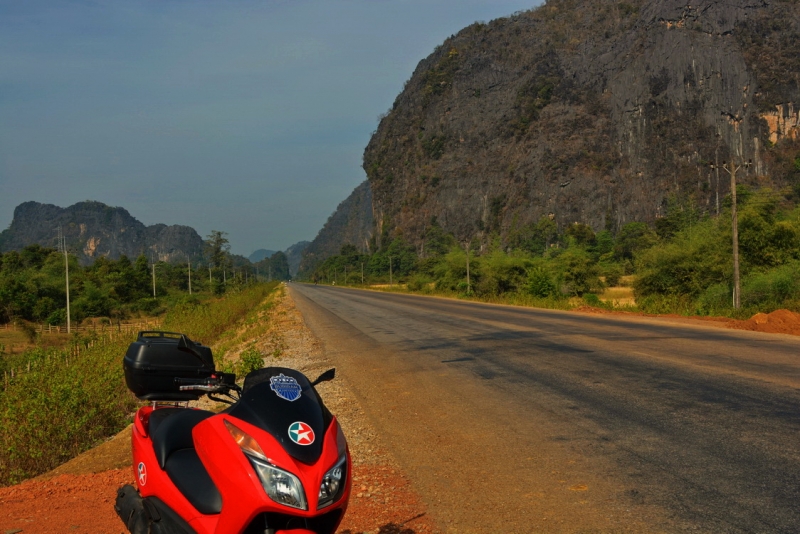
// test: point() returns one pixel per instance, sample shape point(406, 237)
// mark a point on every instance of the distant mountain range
point(260, 254)
point(93, 229)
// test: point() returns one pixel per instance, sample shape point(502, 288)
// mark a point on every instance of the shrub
point(500, 273)
point(419, 283)
point(249, 360)
point(540, 283)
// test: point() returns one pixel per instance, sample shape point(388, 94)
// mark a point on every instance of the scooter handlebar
point(191, 381)
point(208, 388)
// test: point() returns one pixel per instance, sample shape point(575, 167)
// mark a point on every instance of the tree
point(217, 248)
point(580, 234)
point(633, 238)
point(280, 266)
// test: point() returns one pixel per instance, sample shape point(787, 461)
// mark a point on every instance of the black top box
point(156, 359)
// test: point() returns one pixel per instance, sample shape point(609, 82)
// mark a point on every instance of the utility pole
point(189, 265)
point(390, 271)
point(732, 169)
point(209, 274)
point(466, 248)
point(362, 273)
point(154, 278)
point(716, 168)
point(345, 275)
point(62, 241)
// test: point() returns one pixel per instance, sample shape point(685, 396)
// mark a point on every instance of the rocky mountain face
point(352, 223)
point(592, 111)
point(93, 229)
point(294, 255)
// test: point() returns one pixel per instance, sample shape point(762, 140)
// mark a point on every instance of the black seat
point(174, 449)
point(157, 417)
point(190, 477)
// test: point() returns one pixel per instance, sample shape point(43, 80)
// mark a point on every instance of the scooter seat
point(174, 432)
point(174, 449)
point(191, 478)
point(158, 416)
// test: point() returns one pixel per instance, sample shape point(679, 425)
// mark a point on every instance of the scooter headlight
point(281, 486)
point(333, 484)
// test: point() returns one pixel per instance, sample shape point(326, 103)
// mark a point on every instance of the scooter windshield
point(283, 402)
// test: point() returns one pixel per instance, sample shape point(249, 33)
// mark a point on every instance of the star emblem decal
point(301, 433)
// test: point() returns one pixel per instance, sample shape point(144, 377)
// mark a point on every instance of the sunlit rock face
point(593, 111)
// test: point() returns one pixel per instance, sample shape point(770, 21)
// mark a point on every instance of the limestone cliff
point(93, 229)
point(594, 111)
point(351, 223)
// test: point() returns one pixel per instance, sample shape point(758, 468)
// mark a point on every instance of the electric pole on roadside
point(62, 243)
point(390, 271)
point(466, 248)
point(732, 169)
point(189, 265)
point(154, 277)
point(362, 273)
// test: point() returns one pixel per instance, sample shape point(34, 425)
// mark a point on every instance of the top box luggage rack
point(156, 359)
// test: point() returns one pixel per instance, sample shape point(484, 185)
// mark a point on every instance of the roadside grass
point(58, 402)
point(512, 299)
point(236, 351)
point(16, 341)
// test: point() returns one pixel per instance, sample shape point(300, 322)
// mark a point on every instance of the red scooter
point(274, 461)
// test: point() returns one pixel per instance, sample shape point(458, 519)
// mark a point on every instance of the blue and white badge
point(285, 387)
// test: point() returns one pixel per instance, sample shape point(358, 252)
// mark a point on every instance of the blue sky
point(249, 117)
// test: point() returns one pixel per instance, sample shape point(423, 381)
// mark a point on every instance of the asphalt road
point(524, 420)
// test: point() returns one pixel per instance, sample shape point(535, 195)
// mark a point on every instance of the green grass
point(57, 403)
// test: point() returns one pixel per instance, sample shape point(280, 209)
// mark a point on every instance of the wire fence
point(93, 327)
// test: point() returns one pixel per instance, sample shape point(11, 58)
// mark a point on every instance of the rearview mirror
point(327, 376)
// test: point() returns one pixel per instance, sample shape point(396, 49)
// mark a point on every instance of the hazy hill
point(294, 255)
point(93, 229)
point(352, 222)
point(260, 254)
point(595, 111)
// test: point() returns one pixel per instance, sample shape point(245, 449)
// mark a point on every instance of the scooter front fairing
point(271, 461)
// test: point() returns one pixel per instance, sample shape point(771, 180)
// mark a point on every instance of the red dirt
point(82, 504)
point(777, 322)
point(382, 501)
